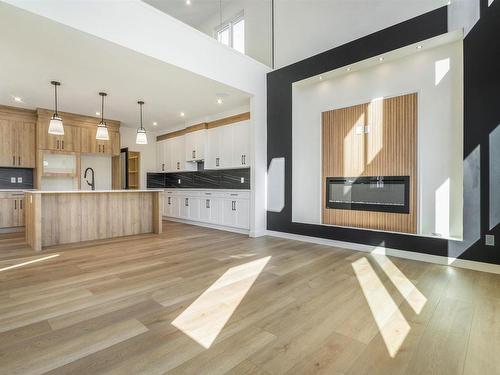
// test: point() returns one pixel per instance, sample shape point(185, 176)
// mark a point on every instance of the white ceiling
point(35, 50)
point(194, 14)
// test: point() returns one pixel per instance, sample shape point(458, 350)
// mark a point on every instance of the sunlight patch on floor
point(407, 289)
point(205, 318)
point(28, 262)
point(390, 321)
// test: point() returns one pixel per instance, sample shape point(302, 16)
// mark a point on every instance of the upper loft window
point(232, 33)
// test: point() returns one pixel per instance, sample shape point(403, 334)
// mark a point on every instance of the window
point(232, 33)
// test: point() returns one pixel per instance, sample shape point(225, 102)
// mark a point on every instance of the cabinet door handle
point(233, 205)
point(13, 160)
point(163, 167)
point(15, 204)
point(57, 144)
point(168, 200)
point(242, 160)
point(178, 165)
point(186, 202)
point(207, 205)
point(216, 162)
point(62, 143)
point(18, 160)
point(194, 154)
point(21, 204)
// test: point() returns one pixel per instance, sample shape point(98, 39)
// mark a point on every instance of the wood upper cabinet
point(17, 137)
point(79, 134)
point(70, 141)
point(90, 145)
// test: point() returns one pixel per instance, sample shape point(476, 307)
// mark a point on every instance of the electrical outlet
point(489, 240)
point(12, 180)
point(19, 180)
point(242, 180)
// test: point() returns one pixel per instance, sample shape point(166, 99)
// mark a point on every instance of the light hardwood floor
point(199, 301)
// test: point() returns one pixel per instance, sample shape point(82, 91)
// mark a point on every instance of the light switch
point(490, 240)
point(19, 180)
point(242, 180)
point(360, 129)
point(12, 180)
point(367, 129)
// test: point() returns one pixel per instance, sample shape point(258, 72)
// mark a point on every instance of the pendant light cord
point(102, 110)
point(55, 94)
point(141, 115)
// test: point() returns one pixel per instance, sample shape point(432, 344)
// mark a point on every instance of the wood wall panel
point(388, 149)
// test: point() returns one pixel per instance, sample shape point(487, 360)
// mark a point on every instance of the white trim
point(445, 261)
point(207, 225)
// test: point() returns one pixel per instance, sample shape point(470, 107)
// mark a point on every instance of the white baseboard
point(445, 261)
point(208, 225)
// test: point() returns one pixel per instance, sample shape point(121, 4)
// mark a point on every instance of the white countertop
point(93, 191)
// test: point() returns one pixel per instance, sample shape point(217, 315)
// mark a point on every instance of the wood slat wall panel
point(388, 149)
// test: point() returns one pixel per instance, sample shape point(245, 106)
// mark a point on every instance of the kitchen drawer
point(237, 194)
point(11, 194)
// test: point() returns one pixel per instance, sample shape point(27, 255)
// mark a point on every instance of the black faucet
point(92, 184)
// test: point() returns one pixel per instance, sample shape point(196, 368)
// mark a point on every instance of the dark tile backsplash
point(205, 179)
point(25, 174)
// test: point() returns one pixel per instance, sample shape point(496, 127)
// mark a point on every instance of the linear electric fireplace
point(373, 193)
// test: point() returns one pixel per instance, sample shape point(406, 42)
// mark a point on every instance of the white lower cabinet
point(224, 208)
point(235, 213)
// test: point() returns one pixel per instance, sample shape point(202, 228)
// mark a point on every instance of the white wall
point(257, 14)
point(306, 28)
point(440, 129)
point(102, 171)
point(148, 152)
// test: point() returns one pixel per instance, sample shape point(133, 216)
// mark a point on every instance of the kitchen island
point(59, 217)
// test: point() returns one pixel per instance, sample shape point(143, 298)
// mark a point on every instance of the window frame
point(229, 24)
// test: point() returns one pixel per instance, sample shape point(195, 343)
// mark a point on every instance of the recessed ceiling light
point(188, 2)
point(18, 99)
point(348, 69)
point(182, 114)
point(419, 47)
point(155, 123)
point(98, 113)
point(219, 100)
point(320, 78)
point(380, 59)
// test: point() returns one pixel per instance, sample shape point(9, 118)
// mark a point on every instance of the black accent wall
point(482, 91)
point(26, 174)
point(481, 118)
point(207, 179)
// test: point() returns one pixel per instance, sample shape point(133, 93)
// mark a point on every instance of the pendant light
point(56, 125)
point(102, 129)
point(141, 139)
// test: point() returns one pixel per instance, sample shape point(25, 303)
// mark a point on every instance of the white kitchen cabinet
point(235, 213)
point(195, 145)
point(161, 156)
point(222, 208)
point(171, 156)
point(228, 146)
point(193, 208)
point(209, 210)
point(241, 144)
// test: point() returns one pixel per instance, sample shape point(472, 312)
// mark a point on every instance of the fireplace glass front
point(372, 193)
